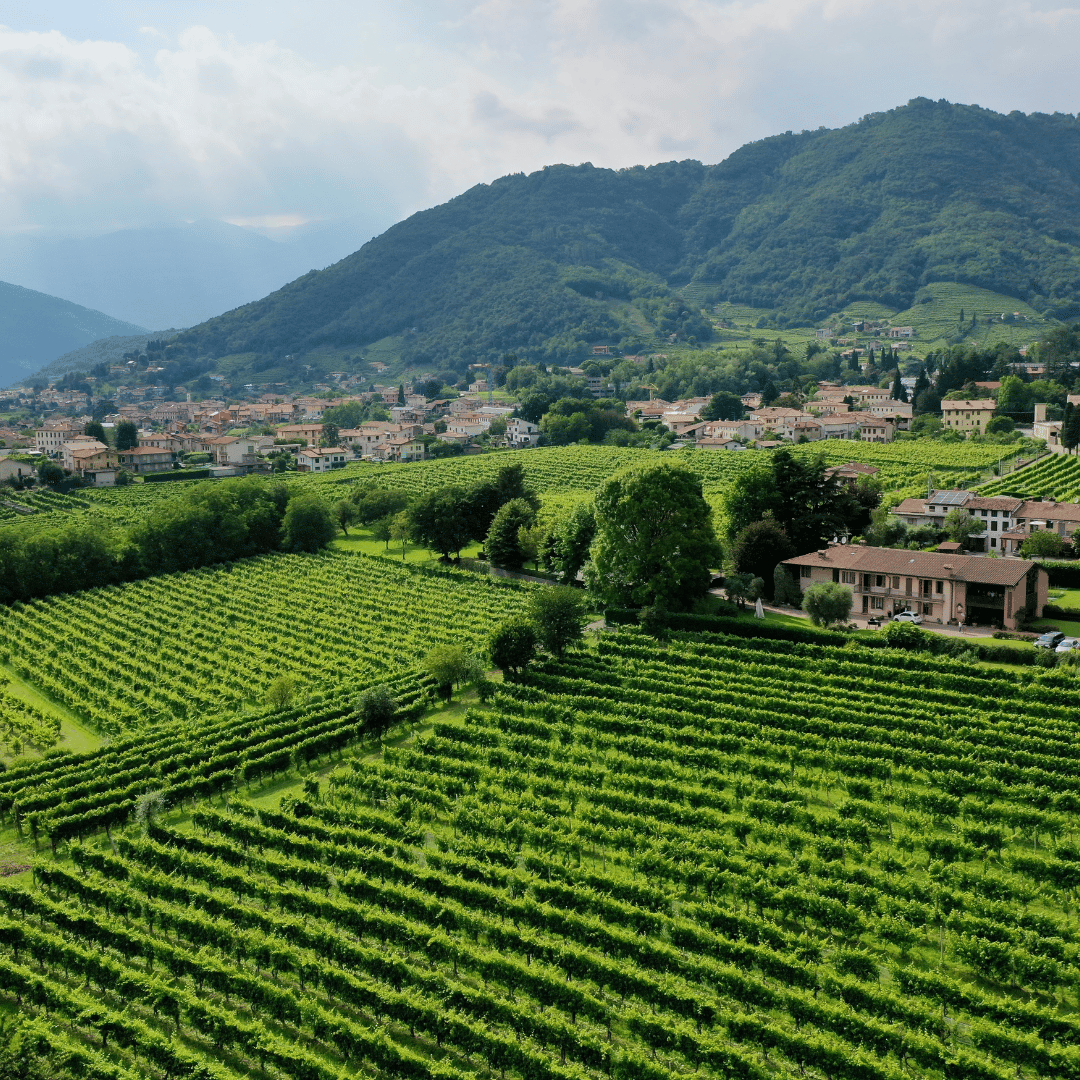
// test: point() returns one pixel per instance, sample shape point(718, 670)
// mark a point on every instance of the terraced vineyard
point(211, 641)
point(1056, 477)
point(721, 856)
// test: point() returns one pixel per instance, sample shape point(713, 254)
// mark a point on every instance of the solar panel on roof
point(951, 498)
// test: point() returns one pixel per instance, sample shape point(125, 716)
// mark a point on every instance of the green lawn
point(362, 541)
point(1067, 626)
point(1066, 598)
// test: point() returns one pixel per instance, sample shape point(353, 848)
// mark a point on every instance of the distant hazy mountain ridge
point(36, 328)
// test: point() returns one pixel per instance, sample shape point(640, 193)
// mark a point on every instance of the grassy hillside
point(916, 212)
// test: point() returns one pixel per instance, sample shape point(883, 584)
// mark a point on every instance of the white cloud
point(385, 109)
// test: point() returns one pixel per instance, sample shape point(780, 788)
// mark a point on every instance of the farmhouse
point(309, 460)
point(950, 588)
point(998, 513)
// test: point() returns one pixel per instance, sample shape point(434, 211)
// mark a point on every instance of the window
point(984, 512)
point(879, 581)
point(928, 609)
point(804, 571)
point(848, 577)
point(895, 582)
point(926, 587)
point(993, 526)
point(877, 601)
point(907, 584)
point(939, 587)
point(993, 513)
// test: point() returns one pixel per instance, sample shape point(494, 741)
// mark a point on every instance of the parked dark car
point(1049, 640)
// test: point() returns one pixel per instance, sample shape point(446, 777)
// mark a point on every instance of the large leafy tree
point(758, 548)
point(127, 435)
point(442, 520)
point(811, 507)
point(655, 542)
point(309, 524)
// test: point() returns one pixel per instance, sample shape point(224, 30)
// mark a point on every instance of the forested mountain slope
point(800, 223)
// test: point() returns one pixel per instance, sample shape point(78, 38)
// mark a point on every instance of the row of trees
point(233, 519)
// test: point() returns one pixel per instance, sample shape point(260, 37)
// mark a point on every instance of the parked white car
point(1067, 644)
point(908, 616)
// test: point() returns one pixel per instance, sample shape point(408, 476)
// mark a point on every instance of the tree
point(441, 520)
point(565, 545)
point(743, 589)
point(759, 547)
point(769, 394)
point(556, 614)
point(501, 545)
point(50, 473)
point(724, 405)
point(382, 530)
point(961, 526)
point(898, 392)
point(809, 505)
point(376, 709)
point(308, 525)
point(1070, 427)
point(529, 538)
point(447, 665)
point(127, 435)
point(513, 645)
point(827, 603)
point(400, 529)
point(95, 430)
point(1013, 396)
point(149, 805)
point(374, 503)
point(1042, 543)
point(1000, 425)
point(280, 692)
point(785, 588)
point(654, 539)
point(330, 433)
point(344, 514)
point(401, 394)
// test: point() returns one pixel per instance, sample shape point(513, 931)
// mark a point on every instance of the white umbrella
point(759, 611)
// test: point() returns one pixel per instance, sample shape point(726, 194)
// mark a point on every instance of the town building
point(967, 416)
point(999, 514)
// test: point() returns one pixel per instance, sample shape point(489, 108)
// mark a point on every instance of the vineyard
point(562, 473)
point(211, 641)
point(806, 861)
point(1055, 477)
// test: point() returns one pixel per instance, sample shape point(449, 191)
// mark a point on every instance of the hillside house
point(313, 460)
point(967, 416)
point(146, 459)
point(521, 433)
point(943, 588)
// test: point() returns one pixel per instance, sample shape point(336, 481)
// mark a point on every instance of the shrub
point(827, 603)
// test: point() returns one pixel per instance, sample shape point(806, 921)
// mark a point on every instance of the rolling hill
point(801, 225)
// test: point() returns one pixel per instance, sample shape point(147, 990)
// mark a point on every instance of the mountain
point(175, 275)
point(36, 328)
point(801, 224)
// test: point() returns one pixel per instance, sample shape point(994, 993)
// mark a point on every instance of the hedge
point(1066, 575)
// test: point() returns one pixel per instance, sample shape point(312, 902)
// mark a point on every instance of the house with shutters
point(944, 588)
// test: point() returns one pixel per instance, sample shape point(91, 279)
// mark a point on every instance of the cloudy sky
point(122, 113)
